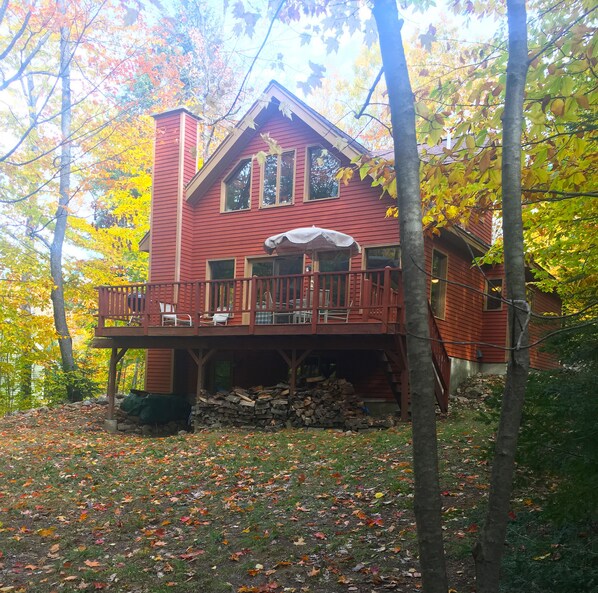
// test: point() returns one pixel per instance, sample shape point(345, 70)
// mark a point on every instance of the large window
point(438, 283)
point(282, 290)
point(322, 169)
point(493, 296)
point(222, 285)
point(279, 172)
point(237, 187)
point(377, 258)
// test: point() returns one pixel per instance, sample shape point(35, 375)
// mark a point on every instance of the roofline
point(344, 143)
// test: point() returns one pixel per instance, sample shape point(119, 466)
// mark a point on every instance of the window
point(322, 169)
point(282, 290)
point(335, 283)
point(438, 283)
point(222, 285)
point(493, 296)
point(377, 258)
point(237, 187)
point(279, 172)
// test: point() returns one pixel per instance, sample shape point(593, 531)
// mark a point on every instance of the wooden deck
point(342, 303)
point(361, 310)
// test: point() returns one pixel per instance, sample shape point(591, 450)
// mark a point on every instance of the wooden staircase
point(396, 370)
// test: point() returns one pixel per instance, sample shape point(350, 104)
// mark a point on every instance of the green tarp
point(155, 409)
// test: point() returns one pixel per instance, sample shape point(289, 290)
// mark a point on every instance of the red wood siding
point(494, 329)
point(159, 371)
point(176, 134)
point(543, 303)
point(482, 227)
point(462, 323)
point(358, 212)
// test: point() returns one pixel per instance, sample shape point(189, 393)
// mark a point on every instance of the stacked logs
point(321, 403)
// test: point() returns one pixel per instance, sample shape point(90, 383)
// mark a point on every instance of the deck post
point(253, 303)
point(366, 298)
point(115, 357)
point(386, 296)
point(201, 358)
point(293, 361)
point(315, 298)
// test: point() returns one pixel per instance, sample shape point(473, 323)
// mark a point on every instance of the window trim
point(488, 297)
point(441, 314)
point(277, 203)
point(228, 177)
point(306, 197)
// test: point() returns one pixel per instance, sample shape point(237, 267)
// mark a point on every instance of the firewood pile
point(321, 403)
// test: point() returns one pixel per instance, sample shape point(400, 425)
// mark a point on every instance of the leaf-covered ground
point(222, 510)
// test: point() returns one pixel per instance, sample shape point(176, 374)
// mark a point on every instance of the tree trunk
point(489, 549)
point(57, 295)
point(427, 503)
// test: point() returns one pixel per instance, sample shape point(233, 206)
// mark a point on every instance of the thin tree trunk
point(57, 295)
point(427, 502)
point(489, 549)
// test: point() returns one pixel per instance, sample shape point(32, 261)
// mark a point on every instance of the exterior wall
point(494, 328)
point(358, 211)
point(171, 251)
point(543, 303)
point(462, 324)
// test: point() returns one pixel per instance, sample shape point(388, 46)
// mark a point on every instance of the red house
point(218, 311)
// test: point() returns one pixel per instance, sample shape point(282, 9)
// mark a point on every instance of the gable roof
point(274, 99)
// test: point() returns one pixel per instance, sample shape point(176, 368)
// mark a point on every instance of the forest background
point(80, 80)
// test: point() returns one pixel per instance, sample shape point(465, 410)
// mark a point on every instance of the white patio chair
point(173, 319)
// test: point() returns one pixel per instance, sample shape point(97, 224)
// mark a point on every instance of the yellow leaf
point(379, 494)
point(557, 107)
point(47, 532)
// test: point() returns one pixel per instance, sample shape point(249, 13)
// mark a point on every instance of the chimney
point(175, 163)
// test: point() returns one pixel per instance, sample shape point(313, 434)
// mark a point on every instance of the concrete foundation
point(462, 369)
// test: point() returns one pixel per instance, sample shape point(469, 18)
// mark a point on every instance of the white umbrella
point(310, 240)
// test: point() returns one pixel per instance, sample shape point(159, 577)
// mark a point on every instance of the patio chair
point(338, 314)
point(220, 318)
point(173, 319)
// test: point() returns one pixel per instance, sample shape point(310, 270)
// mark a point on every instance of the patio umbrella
point(310, 240)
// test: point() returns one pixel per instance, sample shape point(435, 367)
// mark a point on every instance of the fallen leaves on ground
point(253, 512)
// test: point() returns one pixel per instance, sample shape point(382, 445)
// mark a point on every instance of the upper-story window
point(438, 283)
point(237, 187)
point(279, 173)
point(322, 167)
point(493, 296)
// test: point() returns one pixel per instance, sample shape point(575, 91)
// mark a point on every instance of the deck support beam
point(201, 357)
point(293, 361)
point(115, 357)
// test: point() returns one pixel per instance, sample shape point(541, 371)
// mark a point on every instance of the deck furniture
point(171, 318)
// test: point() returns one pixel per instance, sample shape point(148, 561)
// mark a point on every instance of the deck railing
point(312, 298)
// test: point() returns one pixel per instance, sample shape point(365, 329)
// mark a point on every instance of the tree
point(489, 549)
point(427, 504)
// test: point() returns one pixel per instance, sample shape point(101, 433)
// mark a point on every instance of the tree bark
point(57, 295)
point(427, 502)
point(489, 549)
